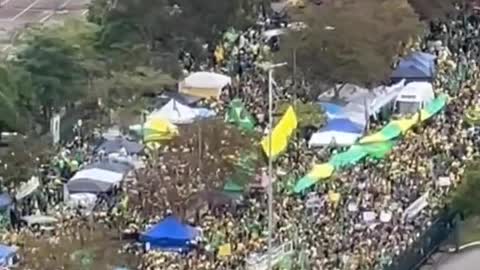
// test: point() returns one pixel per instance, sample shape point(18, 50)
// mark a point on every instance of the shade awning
point(207, 80)
point(94, 181)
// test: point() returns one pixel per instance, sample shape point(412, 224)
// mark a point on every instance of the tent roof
point(7, 251)
point(94, 180)
point(175, 112)
point(98, 174)
point(207, 80)
point(411, 71)
point(332, 110)
point(115, 145)
point(171, 228)
point(343, 125)
point(118, 167)
point(5, 200)
point(180, 97)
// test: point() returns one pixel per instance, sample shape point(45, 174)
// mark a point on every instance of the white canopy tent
point(94, 181)
point(204, 84)
point(175, 112)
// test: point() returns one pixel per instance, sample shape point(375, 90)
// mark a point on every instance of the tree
point(468, 193)
point(349, 41)
point(16, 99)
point(308, 114)
point(433, 9)
point(121, 87)
point(52, 57)
point(164, 27)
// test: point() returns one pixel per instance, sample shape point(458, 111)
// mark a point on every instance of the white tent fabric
point(207, 80)
point(327, 137)
point(93, 181)
point(175, 112)
point(99, 175)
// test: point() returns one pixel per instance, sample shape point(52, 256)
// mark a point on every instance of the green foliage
point(161, 28)
point(15, 98)
point(349, 41)
point(467, 195)
point(308, 114)
point(123, 86)
point(53, 57)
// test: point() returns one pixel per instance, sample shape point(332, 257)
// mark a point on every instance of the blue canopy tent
point(342, 132)
point(343, 125)
point(425, 60)
point(411, 72)
point(415, 67)
point(170, 234)
point(332, 110)
point(7, 255)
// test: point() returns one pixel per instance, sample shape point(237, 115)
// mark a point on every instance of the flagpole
point(270, 165)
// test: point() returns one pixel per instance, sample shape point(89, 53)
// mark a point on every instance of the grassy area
point(470, 230)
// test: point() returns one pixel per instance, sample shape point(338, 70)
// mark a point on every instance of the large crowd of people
point(360, 221)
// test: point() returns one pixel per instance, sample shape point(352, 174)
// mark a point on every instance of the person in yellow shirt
point(219, 55)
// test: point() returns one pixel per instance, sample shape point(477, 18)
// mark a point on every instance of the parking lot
point(16, 14)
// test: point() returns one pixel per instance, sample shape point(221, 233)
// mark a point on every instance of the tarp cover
point(115, 145)
point(170, 234)
point(175, 112)
point(6, 252)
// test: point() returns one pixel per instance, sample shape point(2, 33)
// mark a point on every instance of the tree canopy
point(468, 193)
point(349, 41)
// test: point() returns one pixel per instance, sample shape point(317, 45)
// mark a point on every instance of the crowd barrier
point(420, 251)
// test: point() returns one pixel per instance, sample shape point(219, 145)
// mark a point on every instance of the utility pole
point(270, 174)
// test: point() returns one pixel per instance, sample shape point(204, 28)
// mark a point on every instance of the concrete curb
point(469, 245)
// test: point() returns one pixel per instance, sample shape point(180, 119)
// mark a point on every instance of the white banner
point(416, 207)
point(28, 188)
point(444, 181)
point(55, 128)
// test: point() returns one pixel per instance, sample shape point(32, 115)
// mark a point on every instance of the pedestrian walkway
point(465, 260)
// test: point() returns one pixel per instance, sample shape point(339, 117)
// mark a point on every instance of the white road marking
point(25, 10)
point(4, 2)
point(48, 16)
point(62, 6)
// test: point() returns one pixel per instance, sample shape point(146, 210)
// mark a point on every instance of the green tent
point(239, 116)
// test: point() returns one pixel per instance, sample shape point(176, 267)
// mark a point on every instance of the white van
point(413, 97)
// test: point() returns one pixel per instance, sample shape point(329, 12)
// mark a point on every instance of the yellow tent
point(157, 129)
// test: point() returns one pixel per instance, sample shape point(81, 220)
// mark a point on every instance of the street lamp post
point(270, 176)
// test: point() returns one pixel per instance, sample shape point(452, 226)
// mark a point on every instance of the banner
point(280, 134)
point(55, 128)
point(376, 145)
point(27, 188)
point(416, 207)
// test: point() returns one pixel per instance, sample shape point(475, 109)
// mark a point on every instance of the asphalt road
point(18, 13)
point(465, 260)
